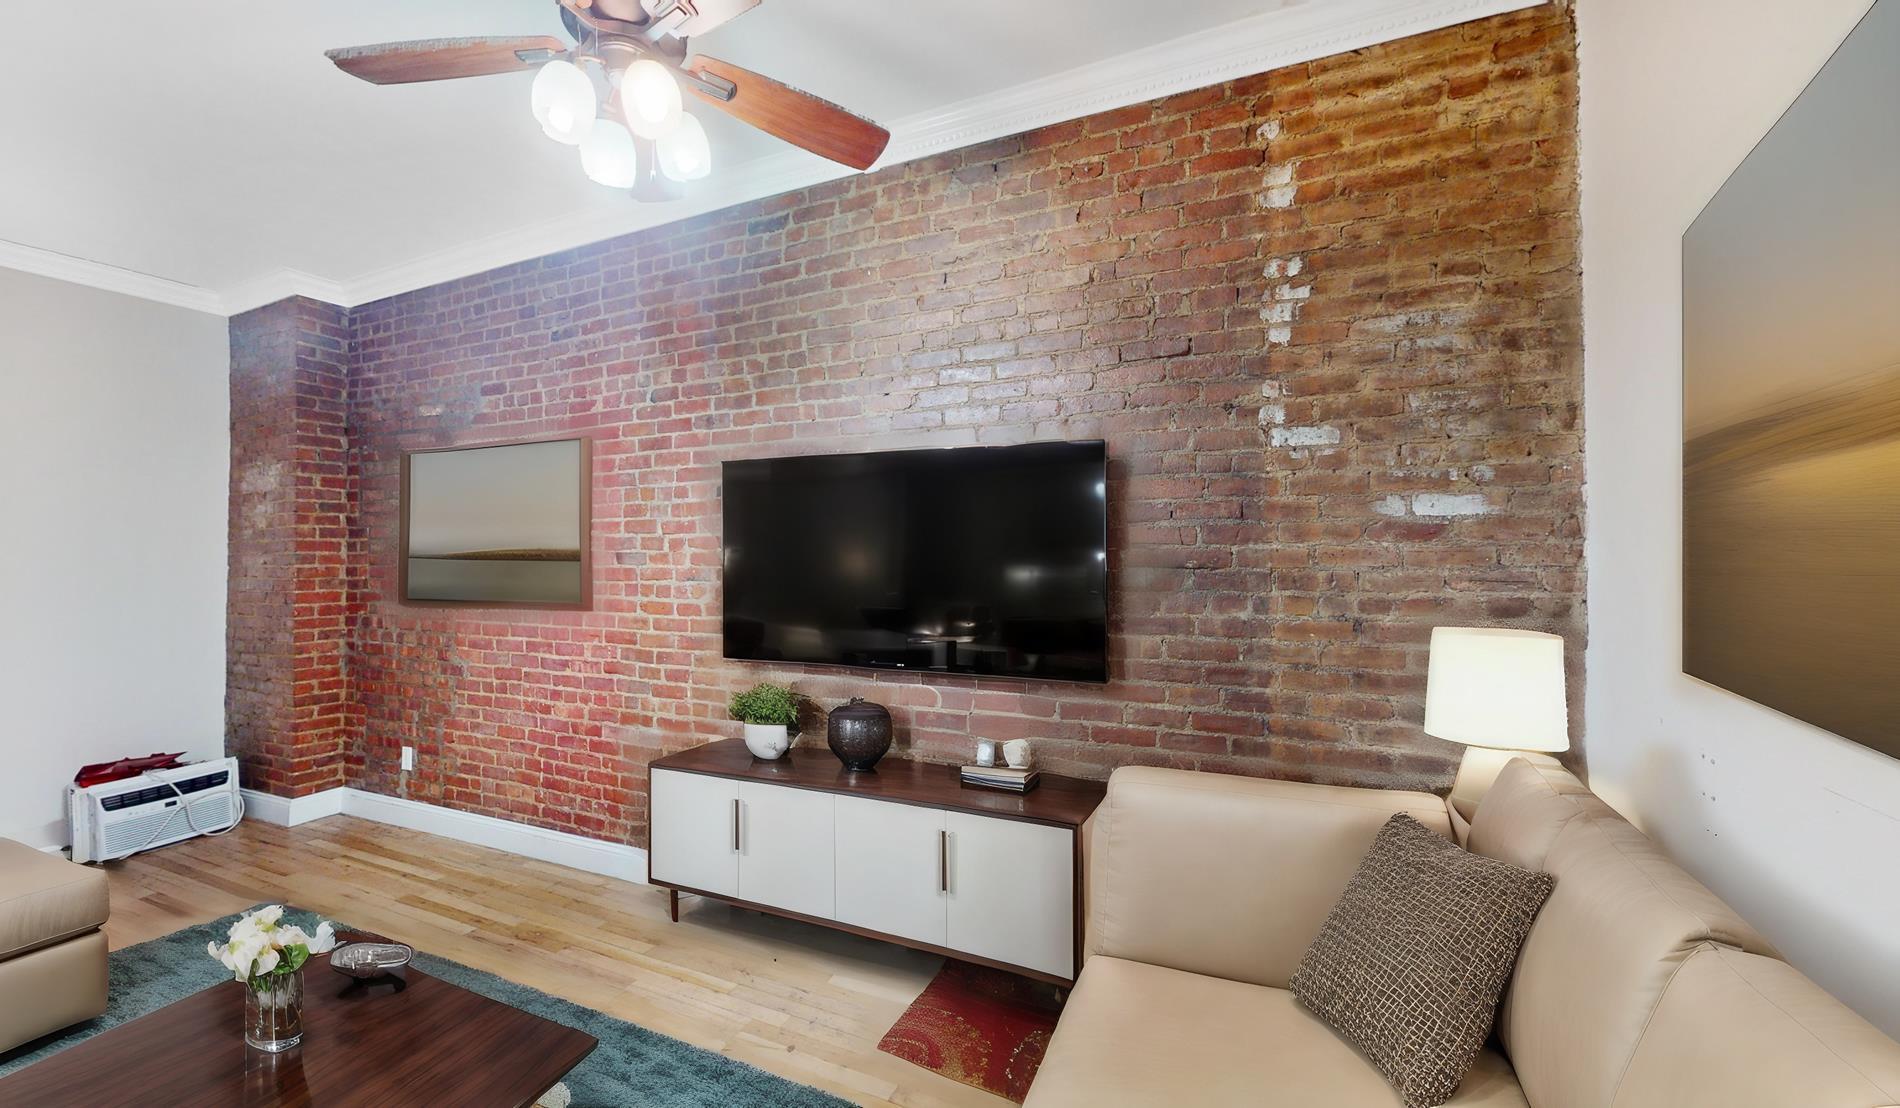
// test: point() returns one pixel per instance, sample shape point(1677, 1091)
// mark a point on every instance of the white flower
point(260, 942)
point(240, 954)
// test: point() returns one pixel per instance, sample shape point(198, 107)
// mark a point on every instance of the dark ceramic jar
point(859, 733)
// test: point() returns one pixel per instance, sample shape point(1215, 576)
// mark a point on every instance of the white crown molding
point(628, 863)
point(272, 287)
point(755, 180)
point(108, 278)
point(1257, 44)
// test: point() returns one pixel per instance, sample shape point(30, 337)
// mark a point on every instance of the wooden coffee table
point(431, 1043)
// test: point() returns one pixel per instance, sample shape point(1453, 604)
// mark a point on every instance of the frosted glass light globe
point(607, 155)
point(650, 98)
point(563, 101)
point(685, 155)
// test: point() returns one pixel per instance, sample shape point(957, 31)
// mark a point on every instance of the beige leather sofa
point(52, 953)
point(1635, 988)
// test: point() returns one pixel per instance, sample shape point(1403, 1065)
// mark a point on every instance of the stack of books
point(1000, 777)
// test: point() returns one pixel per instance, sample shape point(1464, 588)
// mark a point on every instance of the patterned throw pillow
point(1410, 963)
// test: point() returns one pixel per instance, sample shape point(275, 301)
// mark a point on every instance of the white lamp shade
point(685, 155)
point(563, 101)
point(1497, 687)
point(607, 155)
point(650, 99)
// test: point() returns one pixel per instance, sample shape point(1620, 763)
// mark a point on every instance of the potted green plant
point(770, 715)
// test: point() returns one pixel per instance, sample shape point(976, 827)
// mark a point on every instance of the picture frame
point(505, 524)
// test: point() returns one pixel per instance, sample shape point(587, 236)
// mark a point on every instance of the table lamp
point(1500, 692)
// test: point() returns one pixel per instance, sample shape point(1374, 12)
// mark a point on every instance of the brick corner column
point(288, 712)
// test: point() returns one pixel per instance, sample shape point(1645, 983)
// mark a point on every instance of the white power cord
point(185, 806)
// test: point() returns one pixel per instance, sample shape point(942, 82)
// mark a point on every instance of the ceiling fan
point(617, 91)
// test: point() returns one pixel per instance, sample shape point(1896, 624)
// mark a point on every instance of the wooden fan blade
point(441, 59)
point(797, 117)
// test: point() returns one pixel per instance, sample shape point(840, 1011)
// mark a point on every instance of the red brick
point(1105, 277)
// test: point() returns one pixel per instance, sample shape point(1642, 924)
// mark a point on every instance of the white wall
point(1797, 828)
point(114, 456)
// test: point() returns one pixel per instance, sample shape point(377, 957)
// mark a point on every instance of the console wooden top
point(1058, 801)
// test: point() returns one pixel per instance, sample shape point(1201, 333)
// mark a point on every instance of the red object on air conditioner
point(100, 772)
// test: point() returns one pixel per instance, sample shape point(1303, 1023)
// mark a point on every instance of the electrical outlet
point(408, 758)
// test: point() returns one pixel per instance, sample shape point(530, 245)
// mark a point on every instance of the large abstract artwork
point(497, 525)
point(1791, 407)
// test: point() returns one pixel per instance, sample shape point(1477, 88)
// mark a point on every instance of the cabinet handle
point(943, 861)
point(735, 825)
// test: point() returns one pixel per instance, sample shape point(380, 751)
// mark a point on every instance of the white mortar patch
point(1284, 298)
point(1445, 505)
point(1305, 436)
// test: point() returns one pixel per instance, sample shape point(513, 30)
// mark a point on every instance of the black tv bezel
point(927, 674)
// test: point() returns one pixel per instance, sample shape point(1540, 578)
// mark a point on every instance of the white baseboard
point(289, 811)
point(629, 863)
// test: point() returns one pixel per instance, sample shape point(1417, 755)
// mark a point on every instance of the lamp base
point(1480, 768)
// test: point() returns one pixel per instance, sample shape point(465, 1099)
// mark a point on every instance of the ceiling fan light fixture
point(650, 98)
point(563, 101)
point(685, 155)
point(607, 155)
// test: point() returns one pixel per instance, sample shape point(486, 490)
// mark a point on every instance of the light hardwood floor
point(802, 1001)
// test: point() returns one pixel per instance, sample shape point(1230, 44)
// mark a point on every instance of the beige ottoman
point(52, 953)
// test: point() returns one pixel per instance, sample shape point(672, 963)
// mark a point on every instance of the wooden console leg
point(673, 896)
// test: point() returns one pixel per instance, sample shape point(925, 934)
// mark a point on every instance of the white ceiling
point(210, 145)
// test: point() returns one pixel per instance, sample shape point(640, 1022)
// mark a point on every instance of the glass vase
point(273, 1011)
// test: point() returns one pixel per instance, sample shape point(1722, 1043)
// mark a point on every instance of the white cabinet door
point(692, 841)
point(889, 878)
point(1012, 892)
point(785, 849)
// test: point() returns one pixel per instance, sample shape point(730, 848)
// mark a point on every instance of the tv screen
point(978, 560)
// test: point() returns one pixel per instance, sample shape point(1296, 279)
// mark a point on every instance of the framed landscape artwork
point(503, 525)
point(1791, 407)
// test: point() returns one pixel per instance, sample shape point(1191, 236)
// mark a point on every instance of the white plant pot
point(767, 741)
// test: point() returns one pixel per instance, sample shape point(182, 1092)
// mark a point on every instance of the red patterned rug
point(980, 1026)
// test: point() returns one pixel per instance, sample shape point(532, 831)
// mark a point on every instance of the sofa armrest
point(1228, 876)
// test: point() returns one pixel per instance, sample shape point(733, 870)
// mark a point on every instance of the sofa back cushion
point(1520, 817)
point(1228, 876)
point(1737, 1030)
point(1620, 923)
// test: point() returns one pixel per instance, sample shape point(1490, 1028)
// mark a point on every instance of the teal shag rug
point(631, 1066)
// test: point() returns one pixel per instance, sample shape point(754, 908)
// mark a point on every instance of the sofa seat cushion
point(1138, 1034)
point(44, 899)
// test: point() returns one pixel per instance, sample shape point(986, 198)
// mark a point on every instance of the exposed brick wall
point(1326, 320)
point(288, 705)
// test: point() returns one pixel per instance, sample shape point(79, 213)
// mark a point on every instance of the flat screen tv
point(977, 560)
